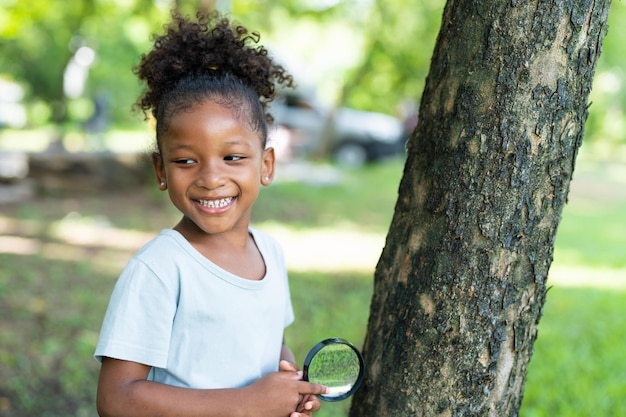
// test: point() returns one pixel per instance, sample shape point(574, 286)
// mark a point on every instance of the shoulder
point(160, 258)
point(167, 246)
point(165, 240)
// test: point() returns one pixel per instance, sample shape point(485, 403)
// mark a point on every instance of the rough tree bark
point(461, 283)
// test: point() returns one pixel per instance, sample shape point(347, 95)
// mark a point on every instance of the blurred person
point(98, 122)
point(195, 324)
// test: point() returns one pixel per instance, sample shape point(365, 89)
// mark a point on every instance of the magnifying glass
point(338, 365)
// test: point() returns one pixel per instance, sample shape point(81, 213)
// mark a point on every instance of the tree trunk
point(461, 283)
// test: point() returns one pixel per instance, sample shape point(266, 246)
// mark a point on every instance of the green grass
point(593, 234)
point(362, 198)
point(50, 313)
point(53, 292)
point(578, 366)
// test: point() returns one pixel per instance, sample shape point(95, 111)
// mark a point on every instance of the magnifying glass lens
point(336, 364)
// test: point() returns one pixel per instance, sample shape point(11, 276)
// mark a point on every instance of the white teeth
point(216, 203)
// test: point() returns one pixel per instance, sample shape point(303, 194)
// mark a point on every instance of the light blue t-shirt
point(196, 324)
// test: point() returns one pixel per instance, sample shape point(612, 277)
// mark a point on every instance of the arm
point(286, 354)
point(123, 390)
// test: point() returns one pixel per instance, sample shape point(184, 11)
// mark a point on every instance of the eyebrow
point(237, 142)
point(181, 146)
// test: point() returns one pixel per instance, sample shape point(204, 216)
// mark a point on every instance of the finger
point(287, 366)
point(298, 414)
point(310, 403)
point(301, 404)
point(307, 406)
point(294, 376)
point(315, 389)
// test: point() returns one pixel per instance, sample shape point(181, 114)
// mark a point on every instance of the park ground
point(61, 250)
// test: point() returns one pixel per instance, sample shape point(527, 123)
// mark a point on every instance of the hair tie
point(212, 68)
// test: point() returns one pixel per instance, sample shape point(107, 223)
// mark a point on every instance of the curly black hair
point(209, 58)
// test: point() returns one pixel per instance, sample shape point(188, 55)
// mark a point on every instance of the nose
point(210, 175)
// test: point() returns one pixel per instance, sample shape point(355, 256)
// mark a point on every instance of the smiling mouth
point(222, 202)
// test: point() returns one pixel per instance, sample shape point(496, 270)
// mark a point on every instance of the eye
point(234, 158)
point(184, 161)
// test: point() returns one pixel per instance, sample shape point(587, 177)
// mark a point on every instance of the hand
point(283, 393)
point(308, 403)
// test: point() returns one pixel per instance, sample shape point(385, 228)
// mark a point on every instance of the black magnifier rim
point(317, 348)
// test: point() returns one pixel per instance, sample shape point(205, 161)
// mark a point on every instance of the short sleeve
point(137, 325)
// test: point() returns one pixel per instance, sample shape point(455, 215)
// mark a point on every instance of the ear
point(267, 170)
point(159, 170)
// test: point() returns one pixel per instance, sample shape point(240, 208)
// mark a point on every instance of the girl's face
point(213, 165)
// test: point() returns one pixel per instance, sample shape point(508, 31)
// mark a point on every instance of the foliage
point(40, 37)
point(368, 55)
point(389, 48)
point(36, 40)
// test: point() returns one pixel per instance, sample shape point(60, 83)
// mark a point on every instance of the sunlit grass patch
point(578, 367)
point(592, 234)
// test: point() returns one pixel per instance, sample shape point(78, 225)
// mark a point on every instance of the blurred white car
point(357, 137)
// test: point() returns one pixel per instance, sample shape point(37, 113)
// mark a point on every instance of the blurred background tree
point(369, 55)
point(39, 38)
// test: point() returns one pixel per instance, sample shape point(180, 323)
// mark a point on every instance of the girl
point(195, 323)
